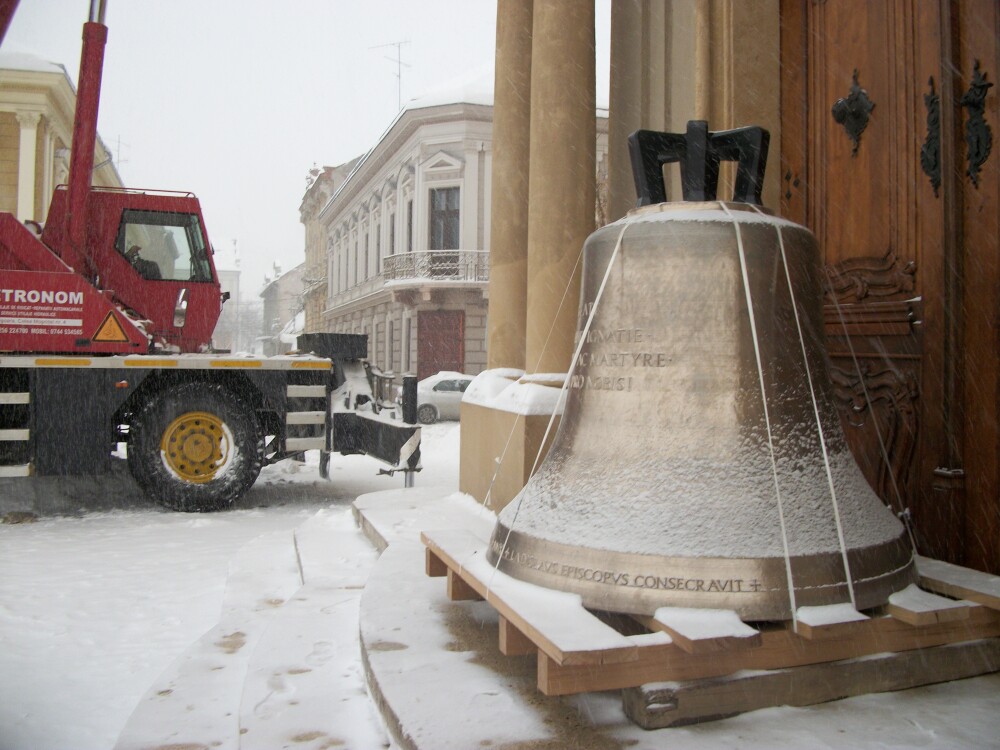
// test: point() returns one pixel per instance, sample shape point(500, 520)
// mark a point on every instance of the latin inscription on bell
point(633, 579)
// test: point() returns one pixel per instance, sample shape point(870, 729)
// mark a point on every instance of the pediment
point(441, 162)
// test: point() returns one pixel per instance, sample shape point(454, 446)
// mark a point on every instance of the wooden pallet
point(700, 651)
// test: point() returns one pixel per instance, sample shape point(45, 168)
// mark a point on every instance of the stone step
point(196, 701)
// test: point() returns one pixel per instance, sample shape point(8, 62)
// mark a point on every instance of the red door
point(440, 341)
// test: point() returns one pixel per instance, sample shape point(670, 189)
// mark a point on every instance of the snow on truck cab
point(106, 321)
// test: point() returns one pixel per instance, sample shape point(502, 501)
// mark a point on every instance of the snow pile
point(512, 391)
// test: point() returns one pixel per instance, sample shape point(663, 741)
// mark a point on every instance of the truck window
point(172, 241)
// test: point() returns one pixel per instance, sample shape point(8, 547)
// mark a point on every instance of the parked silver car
point(440, 396)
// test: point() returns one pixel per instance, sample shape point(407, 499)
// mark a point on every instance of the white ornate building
point(37, 100)
point(405, 236)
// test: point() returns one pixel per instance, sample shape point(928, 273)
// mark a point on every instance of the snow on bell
point(700, 460)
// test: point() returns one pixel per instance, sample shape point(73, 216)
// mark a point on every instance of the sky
point(236, 101)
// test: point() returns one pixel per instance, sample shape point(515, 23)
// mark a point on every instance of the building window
point(444, 219)
point(407, 332)
point(409, 226)
point(389, 353)
point(367, 267)
point(392, 235)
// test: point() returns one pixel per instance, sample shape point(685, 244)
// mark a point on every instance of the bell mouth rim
point(755, 588)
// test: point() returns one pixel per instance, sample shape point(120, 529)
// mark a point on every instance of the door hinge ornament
point(853, 112)
point(978, 136)
point(930, 152)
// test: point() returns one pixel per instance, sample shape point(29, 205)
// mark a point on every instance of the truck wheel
point(195, 448)
point(427, 414)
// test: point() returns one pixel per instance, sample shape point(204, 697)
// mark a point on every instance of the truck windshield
point(164, 245)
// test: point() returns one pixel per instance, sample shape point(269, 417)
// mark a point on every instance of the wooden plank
point(513, 642)
point(660, 705)
point(958, 582)
point(434, 566)
point(703, 631)
point(920, 608)
point(459, 590)
point(829, 621)
point(780, 648)
point(555, 621)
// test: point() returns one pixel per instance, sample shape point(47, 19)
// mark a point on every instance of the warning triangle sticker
point(110, 331)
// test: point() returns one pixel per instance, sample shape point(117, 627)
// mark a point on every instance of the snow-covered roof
point(29, 62)
point(475, 86)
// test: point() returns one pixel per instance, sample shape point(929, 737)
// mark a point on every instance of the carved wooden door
point(886, 108)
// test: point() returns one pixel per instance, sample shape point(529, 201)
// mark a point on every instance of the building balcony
point(417, 271)
point(438, 265)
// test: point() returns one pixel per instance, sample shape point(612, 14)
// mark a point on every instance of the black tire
point(219, 449)
point(426, 414)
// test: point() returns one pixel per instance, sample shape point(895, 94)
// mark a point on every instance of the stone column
point(561, 185)
point(640, 94)
point(26, 164)
point(509, 200)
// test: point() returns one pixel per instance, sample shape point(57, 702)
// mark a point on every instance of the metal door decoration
point(853, 112)
point(978, 136)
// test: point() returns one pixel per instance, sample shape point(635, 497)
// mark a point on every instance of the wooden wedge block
point(434, 566)
point(703, 631)
point(459, 590)
point(829, 621)
point(921, 608)
point(958, 582)
point(513, 642)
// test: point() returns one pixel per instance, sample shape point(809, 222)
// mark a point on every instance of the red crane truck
point(106, 319)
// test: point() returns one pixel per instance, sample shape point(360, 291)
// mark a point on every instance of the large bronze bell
point(700, 460)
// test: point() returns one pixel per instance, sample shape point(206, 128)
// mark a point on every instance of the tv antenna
point(398, 59)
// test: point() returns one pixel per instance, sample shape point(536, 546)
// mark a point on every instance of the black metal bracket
point(853, 112)
point(930, 152)
point(699, 153)
point(978, 136)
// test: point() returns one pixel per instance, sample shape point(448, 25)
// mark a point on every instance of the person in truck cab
point(147, 269)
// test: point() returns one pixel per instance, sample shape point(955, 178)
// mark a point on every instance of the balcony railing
point(416, 268)
point(438, 265)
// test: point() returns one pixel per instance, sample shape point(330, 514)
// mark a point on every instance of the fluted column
point(561, 182)
point(509, 202)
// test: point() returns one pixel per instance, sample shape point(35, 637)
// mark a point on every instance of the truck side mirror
point(225, 297)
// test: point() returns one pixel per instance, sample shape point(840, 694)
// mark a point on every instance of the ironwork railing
point(438, 265)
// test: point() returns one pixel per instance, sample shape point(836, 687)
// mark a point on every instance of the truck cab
point(150, 252)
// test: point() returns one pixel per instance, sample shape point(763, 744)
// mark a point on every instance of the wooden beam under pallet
point(659, 705)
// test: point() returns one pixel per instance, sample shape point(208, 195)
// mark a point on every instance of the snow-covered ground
point(96, 608)
point(132, 627)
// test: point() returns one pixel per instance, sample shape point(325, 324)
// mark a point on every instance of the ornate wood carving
point(856, 279)
point(853, 112)
point(930, 152)
point(882, 402)
point(978, 136)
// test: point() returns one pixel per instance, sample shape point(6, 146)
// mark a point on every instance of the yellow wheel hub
point(195, 446)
